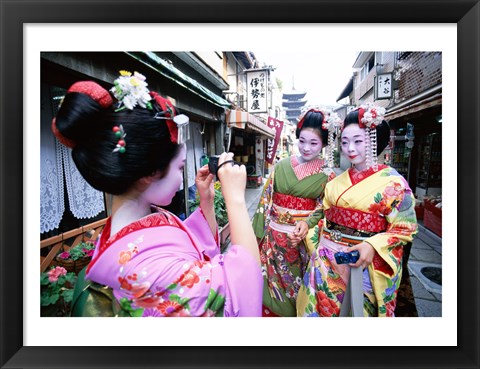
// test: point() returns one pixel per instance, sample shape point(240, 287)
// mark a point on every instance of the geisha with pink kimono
point(155, 264)
point(369, 208)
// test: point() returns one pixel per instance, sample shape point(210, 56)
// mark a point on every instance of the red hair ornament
point(302, 117)
point(177, 124)
point(370, 116)
point(91, 89)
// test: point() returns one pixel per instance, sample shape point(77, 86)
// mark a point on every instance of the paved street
point(425, 264)
point(425, 267)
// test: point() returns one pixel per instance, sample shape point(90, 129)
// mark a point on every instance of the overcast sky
point(322, 75)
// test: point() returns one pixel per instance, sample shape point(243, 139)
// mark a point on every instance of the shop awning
point(347, 90)
point(164, 68)
point(243, 120)
point(413, 108)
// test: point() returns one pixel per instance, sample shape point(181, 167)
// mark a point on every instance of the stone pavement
point(424, 265)
point(252, 196)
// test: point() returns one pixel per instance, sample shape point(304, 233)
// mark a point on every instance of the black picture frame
point(14, 14)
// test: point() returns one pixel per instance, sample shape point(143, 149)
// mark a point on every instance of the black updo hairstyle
point(383, 130)
point(148, 146)
point(314, 119)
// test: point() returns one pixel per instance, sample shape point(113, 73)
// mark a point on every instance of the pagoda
point(293, 102)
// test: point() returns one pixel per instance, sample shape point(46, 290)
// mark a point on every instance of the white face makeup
point(353, 145)
point(161, 191)
point(309, 144)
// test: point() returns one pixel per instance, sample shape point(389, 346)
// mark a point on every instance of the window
point(403, 54)
point(367, 67)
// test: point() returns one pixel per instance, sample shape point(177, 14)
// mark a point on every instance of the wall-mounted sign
point(383, 86)
point(257, 91)
point(272, 144)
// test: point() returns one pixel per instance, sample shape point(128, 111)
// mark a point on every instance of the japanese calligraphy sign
point(383, 86)
point(272, 144)
point(257, 91)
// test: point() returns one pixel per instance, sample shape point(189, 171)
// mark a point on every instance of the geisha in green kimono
point(369, 208)
point(291, 205)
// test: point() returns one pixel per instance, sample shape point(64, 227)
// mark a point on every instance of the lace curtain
point(51, 184)
point(56, 163)
point(83, 199)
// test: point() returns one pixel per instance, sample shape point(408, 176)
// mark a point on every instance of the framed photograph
point(211, 345)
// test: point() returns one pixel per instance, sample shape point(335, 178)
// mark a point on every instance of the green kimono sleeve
point(260, 219)
point(316, 215)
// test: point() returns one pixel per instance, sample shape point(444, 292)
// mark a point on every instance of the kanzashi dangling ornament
point(120, 134)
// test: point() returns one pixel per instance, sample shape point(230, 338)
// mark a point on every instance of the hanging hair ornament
point(120, 134)
point(177, 124)
point(370, 117)
point(182, 121)
point(333, 123)
point(131, 90)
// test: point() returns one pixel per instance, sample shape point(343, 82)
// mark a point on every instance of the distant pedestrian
point(130, 142)
point(290, 205)
point(369, 209)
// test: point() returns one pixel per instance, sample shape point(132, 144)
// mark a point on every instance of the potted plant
point(77, 257)
point(220, 212)
point(56, 287)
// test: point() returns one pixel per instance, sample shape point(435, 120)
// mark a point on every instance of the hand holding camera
point(214, 165)
point(204, 183)
point(360, 255)
point(232, 176)
point(347, 257)
point(234, 179)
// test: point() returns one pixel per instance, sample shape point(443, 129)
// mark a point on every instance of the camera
point(213, 164)
point(346, 257)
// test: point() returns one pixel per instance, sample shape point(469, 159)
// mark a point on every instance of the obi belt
point(288, 210)
point(351, 226)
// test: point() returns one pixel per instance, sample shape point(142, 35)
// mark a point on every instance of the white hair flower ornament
point(131, 90)
point(332, 122)
point(370, 115)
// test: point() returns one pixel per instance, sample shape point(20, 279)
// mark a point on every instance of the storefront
point(248, 139)
point(416, 145)
point(196, 97)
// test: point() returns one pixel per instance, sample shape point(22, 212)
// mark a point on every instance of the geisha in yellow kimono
point(368, 208)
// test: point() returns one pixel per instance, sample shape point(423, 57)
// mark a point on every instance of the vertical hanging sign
point(383, 86)
point(272, 144)
point(257, 91)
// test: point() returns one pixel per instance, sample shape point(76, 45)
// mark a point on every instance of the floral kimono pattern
point(375, 207)
point(169, 268)
point(292, 192)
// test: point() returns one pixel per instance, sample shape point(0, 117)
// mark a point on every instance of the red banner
point(272, 144)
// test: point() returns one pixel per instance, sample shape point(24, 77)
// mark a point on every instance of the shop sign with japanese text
point(383, 86)
point(257, 91)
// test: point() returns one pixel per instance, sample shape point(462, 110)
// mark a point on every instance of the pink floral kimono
point(172, 268)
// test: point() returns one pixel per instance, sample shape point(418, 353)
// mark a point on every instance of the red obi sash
point(293, 202)
point(356, 219)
